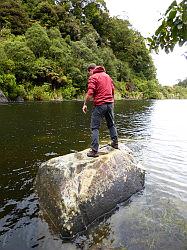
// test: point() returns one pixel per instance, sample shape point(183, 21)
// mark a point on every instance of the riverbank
point(44, 93)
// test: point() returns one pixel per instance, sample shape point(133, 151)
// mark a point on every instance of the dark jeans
point(98, 112)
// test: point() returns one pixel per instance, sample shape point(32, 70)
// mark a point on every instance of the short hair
point(91, 66)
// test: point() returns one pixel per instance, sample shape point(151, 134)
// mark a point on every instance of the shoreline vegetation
point(46, 46)
point(52, 97)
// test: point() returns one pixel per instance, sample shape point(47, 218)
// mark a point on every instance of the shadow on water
point(31, 133)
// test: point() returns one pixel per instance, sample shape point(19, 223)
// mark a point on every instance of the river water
point(156, 131)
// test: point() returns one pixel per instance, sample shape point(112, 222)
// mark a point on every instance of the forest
point(46, 46)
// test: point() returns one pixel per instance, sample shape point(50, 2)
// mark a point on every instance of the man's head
point(91, 68)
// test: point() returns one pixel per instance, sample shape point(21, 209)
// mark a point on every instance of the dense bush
point(10, 88)
point(46, 51)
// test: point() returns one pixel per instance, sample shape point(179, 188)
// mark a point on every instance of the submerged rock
point(19, 99)
point(74, 189)
point(3, 97)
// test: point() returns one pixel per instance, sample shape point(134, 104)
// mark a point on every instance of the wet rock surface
point(74, 189)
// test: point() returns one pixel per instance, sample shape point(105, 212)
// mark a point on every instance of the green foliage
point(180, 92)
point(96, 14)
point(121, 89)
point(46, 51)
point(90, 40)
point(37, 39)
point(46, 14)
point(152, 90)
point(173, 29)
point(6, 65)
point(174, 92)
point(61, 52)
point(54, 33)
point(129, 46)
point(139, 84)
point(22, 57)
point(167, 92)
point(119, 36)
point(40, 93)
point(5, 33)
point(70, 26)
point(78, 78)
point(13, 16)
point(123, 71)
point(9, 87)
point(68, 92)
point(182, 83)
point(109, 61)
point(82, 54)
point(29, 6)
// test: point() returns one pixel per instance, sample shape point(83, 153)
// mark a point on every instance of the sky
point(143, 16)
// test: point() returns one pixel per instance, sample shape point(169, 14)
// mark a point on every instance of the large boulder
point(3, 97)
point(74, 189)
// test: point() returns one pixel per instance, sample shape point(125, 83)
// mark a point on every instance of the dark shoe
point(114, 144)
point(92, 153)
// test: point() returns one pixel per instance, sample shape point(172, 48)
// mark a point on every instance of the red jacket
point(101, 87)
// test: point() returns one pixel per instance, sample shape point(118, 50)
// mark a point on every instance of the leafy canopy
point(173, 29)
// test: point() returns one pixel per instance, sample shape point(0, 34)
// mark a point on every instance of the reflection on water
point(31, 133)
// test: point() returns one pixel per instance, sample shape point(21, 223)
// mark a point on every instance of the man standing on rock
point(101, 90)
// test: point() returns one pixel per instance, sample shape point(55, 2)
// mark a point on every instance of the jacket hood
point(99, 69)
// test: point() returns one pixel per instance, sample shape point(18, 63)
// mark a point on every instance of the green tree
point(129, 46)
point(23, 59)
point(29, 5)
point(46, 14)
point(60, 51)
point(6, 64)
point(123, 71)
point(37, 40)
point(66, 36)
point(70, 26)
point(90, 40)
point(96, 13)
point(13, 16)
point(82, 54)
point(152, 90)
point(109, 61)
point(182, 83)
point(54, 33)
point(9, 86)
point(173, 29)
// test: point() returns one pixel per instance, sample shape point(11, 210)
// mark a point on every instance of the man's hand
point(84, 108)
point(87, 98)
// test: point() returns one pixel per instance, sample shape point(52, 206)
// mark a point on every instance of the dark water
point(156, 131)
